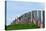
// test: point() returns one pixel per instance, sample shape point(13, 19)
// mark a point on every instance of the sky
point(17, 8)
point(28, 0)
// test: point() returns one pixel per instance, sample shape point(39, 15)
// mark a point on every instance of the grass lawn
point(21, 26)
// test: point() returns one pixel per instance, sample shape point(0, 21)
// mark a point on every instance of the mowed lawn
point(21, 26)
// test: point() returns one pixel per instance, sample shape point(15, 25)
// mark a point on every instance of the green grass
point(21, 26)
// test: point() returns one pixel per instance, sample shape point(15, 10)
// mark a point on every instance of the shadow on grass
point(21, 26)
